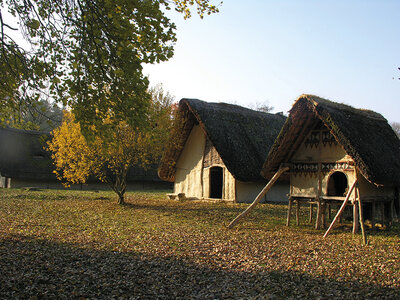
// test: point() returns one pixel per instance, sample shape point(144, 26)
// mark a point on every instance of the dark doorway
point(216, 182)
point(337, 184)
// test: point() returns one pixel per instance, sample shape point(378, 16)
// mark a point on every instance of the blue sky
point(257, 51)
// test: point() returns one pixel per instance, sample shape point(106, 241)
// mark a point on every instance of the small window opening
point(337, 184)
point(216, 182)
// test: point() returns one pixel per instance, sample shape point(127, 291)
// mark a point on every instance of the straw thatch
point(241, 136)
point(365, 135)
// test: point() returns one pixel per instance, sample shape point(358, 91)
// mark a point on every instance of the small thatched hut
point(218, 150)
point(328, 147)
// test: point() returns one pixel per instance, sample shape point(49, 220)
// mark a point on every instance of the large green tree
point(86, 54)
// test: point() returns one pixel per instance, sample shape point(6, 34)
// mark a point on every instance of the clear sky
point(275, 50)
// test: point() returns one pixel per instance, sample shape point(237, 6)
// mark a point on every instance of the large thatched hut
point(333, 151)
point(217, 152)
point(24, 162)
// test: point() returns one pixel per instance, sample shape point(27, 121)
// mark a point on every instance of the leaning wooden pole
point(341, 209)
point(360, 214)
point(259, 197)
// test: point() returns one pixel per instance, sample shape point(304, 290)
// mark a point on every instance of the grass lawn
point(74, 244)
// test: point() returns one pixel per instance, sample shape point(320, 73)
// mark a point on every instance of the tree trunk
point(120, 186)
point(121, 199)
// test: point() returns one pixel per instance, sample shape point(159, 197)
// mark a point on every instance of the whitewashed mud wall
point(318, 147)
point(188, 174)
point(247, 191)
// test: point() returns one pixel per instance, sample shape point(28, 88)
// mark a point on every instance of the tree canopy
point(86, 54)
point(112, 151)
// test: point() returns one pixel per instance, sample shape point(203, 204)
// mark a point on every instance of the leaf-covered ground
point(65, 244)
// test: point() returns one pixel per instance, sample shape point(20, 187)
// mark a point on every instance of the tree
point(86, 54)
point(262, 106)
point(396, 128)
point(42, 115)
point(111, 151)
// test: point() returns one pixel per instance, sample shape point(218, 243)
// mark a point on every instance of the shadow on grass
point(31, 267)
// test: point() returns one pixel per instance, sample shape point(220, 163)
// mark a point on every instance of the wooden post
point(393, 210)
point(373, 213)
point(289, 211)
point(382, 213)
point(297, 212)
point(355, 216)
point(341, 209)
point(319, 214)
point(329, 211)
point(311, 213)
point(360, 213)
point(260, 196)
point(323, 218)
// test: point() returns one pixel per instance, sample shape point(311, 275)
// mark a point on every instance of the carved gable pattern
point(317, 136)
point(327, 138)
point(312, 139)
point(326, 167)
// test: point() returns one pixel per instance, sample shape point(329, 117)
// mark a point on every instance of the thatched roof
point(365, 135)
point(241, 136)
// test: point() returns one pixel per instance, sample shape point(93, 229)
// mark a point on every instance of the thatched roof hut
point(241, 138)
point(365, 135)
point(336, 153)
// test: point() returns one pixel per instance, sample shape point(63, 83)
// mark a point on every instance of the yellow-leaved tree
point(110, 150)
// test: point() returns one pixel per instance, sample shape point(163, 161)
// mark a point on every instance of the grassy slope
point(82, 244)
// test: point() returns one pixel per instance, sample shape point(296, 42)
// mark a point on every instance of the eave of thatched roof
point(241, 136)
point(365, 135)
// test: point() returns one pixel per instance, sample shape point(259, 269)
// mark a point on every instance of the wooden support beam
point(355, 216)
point(260, 196)
point(311, 213)
point(323, 217)
point(297, 212)
point(393, 210)
point(319, 214)
point(341, 209)
point(329, 211)
point(373, 213)
point(360, 213)
point(289, 211)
